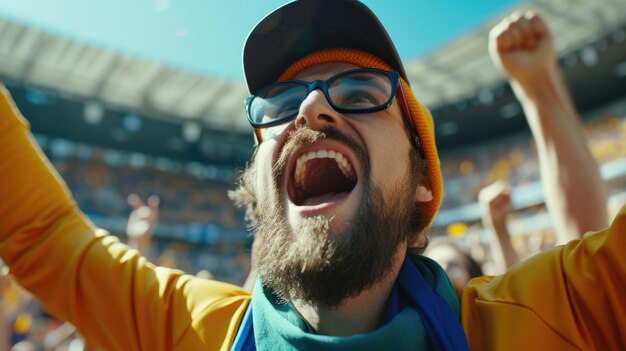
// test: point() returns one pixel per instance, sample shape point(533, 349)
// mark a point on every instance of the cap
point(304, 26)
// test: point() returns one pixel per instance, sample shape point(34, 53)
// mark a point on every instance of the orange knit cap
point(422, 118)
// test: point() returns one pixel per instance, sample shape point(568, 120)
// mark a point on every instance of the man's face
point(382, 135)
point(336, 198)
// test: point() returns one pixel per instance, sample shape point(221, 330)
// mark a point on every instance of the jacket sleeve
point(570, 297)
point(114, 297)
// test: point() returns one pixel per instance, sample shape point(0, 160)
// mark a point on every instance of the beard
point(308, 263)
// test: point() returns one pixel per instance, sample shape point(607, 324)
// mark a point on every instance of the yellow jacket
point(571, 297)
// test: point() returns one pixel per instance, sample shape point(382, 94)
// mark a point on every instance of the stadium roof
point(449, 76)
point(463, 67)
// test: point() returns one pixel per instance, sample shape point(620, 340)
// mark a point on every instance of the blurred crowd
point(191, 195)
point(514, 159)
point(101, 188)
point(471, 248)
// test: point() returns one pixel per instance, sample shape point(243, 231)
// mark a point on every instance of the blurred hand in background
point(141, 222)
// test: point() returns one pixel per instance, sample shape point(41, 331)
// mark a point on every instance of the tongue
point(328, 197)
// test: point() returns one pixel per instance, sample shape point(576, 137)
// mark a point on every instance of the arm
point(83, 275)
point(141, 222)
point(576, 198)
point(571, 297)
point(80, 273)
point(495, 206)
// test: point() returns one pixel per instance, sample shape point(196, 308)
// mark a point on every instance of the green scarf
point(279, 326)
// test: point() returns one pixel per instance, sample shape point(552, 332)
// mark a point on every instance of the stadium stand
point(113, 125)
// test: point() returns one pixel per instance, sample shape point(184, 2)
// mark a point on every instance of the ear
point(423, 194)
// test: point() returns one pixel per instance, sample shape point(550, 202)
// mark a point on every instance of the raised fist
point(143, 218)
point(495, 201)
point(521, 46)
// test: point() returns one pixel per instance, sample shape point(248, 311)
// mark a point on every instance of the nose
point(316, 112)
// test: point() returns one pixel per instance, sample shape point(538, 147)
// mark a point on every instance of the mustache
point(305, 135)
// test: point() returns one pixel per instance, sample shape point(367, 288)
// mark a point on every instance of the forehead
point(323, 71)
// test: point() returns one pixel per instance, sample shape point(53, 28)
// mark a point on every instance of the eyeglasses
point(356, 91)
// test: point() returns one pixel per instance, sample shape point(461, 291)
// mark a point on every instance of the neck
point(360, 314)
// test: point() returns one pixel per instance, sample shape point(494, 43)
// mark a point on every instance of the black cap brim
point(305, 26)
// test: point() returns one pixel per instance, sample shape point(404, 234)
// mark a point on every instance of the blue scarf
point(422, 313)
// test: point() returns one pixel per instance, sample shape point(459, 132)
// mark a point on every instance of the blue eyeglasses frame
point(393, 76)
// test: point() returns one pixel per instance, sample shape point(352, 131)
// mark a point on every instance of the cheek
point(264, 171)
point(389, 152)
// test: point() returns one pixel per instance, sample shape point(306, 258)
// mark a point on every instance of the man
point(344, 181)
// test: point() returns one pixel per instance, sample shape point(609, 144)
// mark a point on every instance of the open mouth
point(321, 176)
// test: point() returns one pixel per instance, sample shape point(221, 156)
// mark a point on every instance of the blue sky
point(207, 36)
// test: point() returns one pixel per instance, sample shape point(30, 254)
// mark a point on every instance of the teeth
point(339, 157)
point(341, 160)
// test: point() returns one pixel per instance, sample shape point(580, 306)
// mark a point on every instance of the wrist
point(536, 83)
point(496, 224)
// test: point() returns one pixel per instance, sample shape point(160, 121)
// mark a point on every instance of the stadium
point(113, 125)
